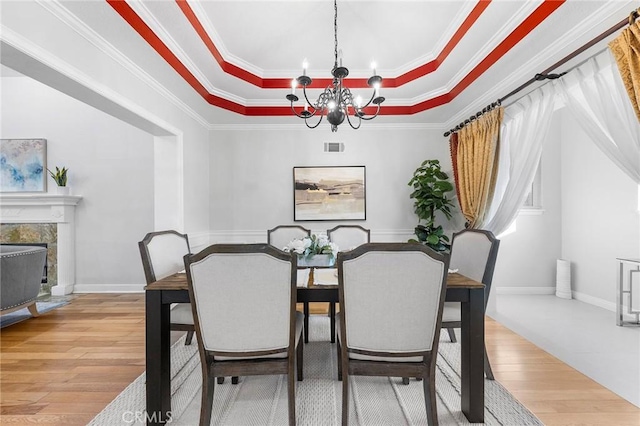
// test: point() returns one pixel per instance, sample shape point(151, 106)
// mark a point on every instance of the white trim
point(531, 211)
point(524, 290)
point(73, 22)
point(596, 301)
point(300, 126)
point(109, 288)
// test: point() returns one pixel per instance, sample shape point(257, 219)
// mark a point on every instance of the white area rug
point(262, 400)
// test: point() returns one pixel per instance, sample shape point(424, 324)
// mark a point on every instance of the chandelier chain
point(335, 32)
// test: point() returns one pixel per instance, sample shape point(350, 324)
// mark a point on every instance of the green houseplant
point(431, 188)
point(60, 176)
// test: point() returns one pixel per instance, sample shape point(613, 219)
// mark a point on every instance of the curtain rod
point(544, 75)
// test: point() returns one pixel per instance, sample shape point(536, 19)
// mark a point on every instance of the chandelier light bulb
point(305, 65)
point(331, 105)
point(373, 67)
point(359, 101)
point(294, 83)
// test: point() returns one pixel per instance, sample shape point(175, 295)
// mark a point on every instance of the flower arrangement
point(308, 246)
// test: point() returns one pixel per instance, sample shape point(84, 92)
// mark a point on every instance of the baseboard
point(524, 290)
point(596, 301)
point(109, 288)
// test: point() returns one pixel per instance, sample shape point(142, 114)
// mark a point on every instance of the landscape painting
point(329, 193)
point(23, 165)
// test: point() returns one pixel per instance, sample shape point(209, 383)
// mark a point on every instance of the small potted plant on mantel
point(60, 178)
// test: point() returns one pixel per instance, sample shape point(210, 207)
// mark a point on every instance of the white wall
point(110, 164)
point(252, 175)
point(600, 218)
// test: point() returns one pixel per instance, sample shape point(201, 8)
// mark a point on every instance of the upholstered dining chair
point(238, 333)
point(348, 237)
point(391, 301)
point(281, 235)
point(473, 254)
point(162, 254)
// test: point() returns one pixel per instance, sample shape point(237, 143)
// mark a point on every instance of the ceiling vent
point(333, 147)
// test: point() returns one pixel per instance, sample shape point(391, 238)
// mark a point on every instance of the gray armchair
point(21, 269)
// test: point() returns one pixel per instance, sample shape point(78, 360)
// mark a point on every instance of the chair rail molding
point(48, 208)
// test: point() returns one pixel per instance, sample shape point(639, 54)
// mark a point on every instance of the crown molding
point(73, 22)
point(520, 75)
point(300, 126)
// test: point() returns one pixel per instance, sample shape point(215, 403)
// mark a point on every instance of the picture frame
point(23, 165)
point(329, 193)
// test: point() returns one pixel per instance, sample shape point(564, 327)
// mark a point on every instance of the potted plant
point(431, 187)
point(60, 178)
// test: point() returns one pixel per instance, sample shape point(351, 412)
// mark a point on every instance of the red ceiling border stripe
point(531, 22)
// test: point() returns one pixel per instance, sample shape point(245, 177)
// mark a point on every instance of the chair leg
point(234, 380)
point(291, 391)
point(429, 385)
point(300, 360)
point(405, 380)
point(220, 380)
point(339, 361)
point(345, 397)
point(33, 310)
point(206, 404)
point(189, 338)
point(487, 366)
point(452, 335)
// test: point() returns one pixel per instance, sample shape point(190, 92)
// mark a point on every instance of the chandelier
point(336, 101)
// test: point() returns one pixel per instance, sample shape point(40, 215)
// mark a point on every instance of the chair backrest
point(162, 254)
point(348, 237)
point(474, 253)
point(281, 235)
point(391, 296)
point(243, 297)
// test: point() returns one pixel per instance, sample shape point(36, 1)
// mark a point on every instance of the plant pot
point(316, 260)
point(62, 190)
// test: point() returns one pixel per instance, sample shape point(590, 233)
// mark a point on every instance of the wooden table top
point(179, 282)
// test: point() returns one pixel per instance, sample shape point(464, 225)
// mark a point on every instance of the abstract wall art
point(329, 193)
point(23, 165)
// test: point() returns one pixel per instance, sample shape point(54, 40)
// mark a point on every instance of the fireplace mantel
point(48, 208)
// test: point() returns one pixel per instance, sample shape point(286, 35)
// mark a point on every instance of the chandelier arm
point(373, 96)
point(351, 124)
point(315, 125)
point(373, 116)
point(312, 105)
point(302, 116)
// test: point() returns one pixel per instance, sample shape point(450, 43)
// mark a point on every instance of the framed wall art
point(23, 165)
point(329, 193)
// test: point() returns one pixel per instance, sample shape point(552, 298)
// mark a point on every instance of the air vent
point(333, 147)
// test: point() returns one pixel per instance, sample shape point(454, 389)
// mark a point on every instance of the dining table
point(160, 294)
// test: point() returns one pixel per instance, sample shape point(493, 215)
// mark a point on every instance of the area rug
point(262, 400)
point(23, 314)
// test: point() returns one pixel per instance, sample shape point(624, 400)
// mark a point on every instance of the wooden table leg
point(332, 319)
point(306, 321)
point(158, 359)
point(472, 356)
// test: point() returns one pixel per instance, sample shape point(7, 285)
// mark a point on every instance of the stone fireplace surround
point(48, 208)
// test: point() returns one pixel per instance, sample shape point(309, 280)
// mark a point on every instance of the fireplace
point(42, 211)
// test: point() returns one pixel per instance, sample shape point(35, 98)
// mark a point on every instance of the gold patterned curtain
point(477, 165)
point(626, 51)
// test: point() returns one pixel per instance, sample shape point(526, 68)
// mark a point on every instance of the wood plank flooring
point(67, 365)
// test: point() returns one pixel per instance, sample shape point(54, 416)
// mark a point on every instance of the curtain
point(595, 94)
point(626, 51)
point(453, 148)
point(477, 154)
point(525, 128)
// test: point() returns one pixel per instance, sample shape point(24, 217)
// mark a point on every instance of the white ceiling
point(267, 41)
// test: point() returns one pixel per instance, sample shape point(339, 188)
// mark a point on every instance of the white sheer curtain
point(523, 133)
point(595, 95)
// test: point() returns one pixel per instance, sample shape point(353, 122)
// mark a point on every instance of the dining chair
point(281, 235)
point(391, 301)
point(162, 254)
point(238, 333)
point(347, 237)
point(473, 254)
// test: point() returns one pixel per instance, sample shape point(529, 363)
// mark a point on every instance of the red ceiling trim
point(320, 83)
point(530, 23)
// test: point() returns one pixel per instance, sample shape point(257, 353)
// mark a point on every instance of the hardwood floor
point(67, 365)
